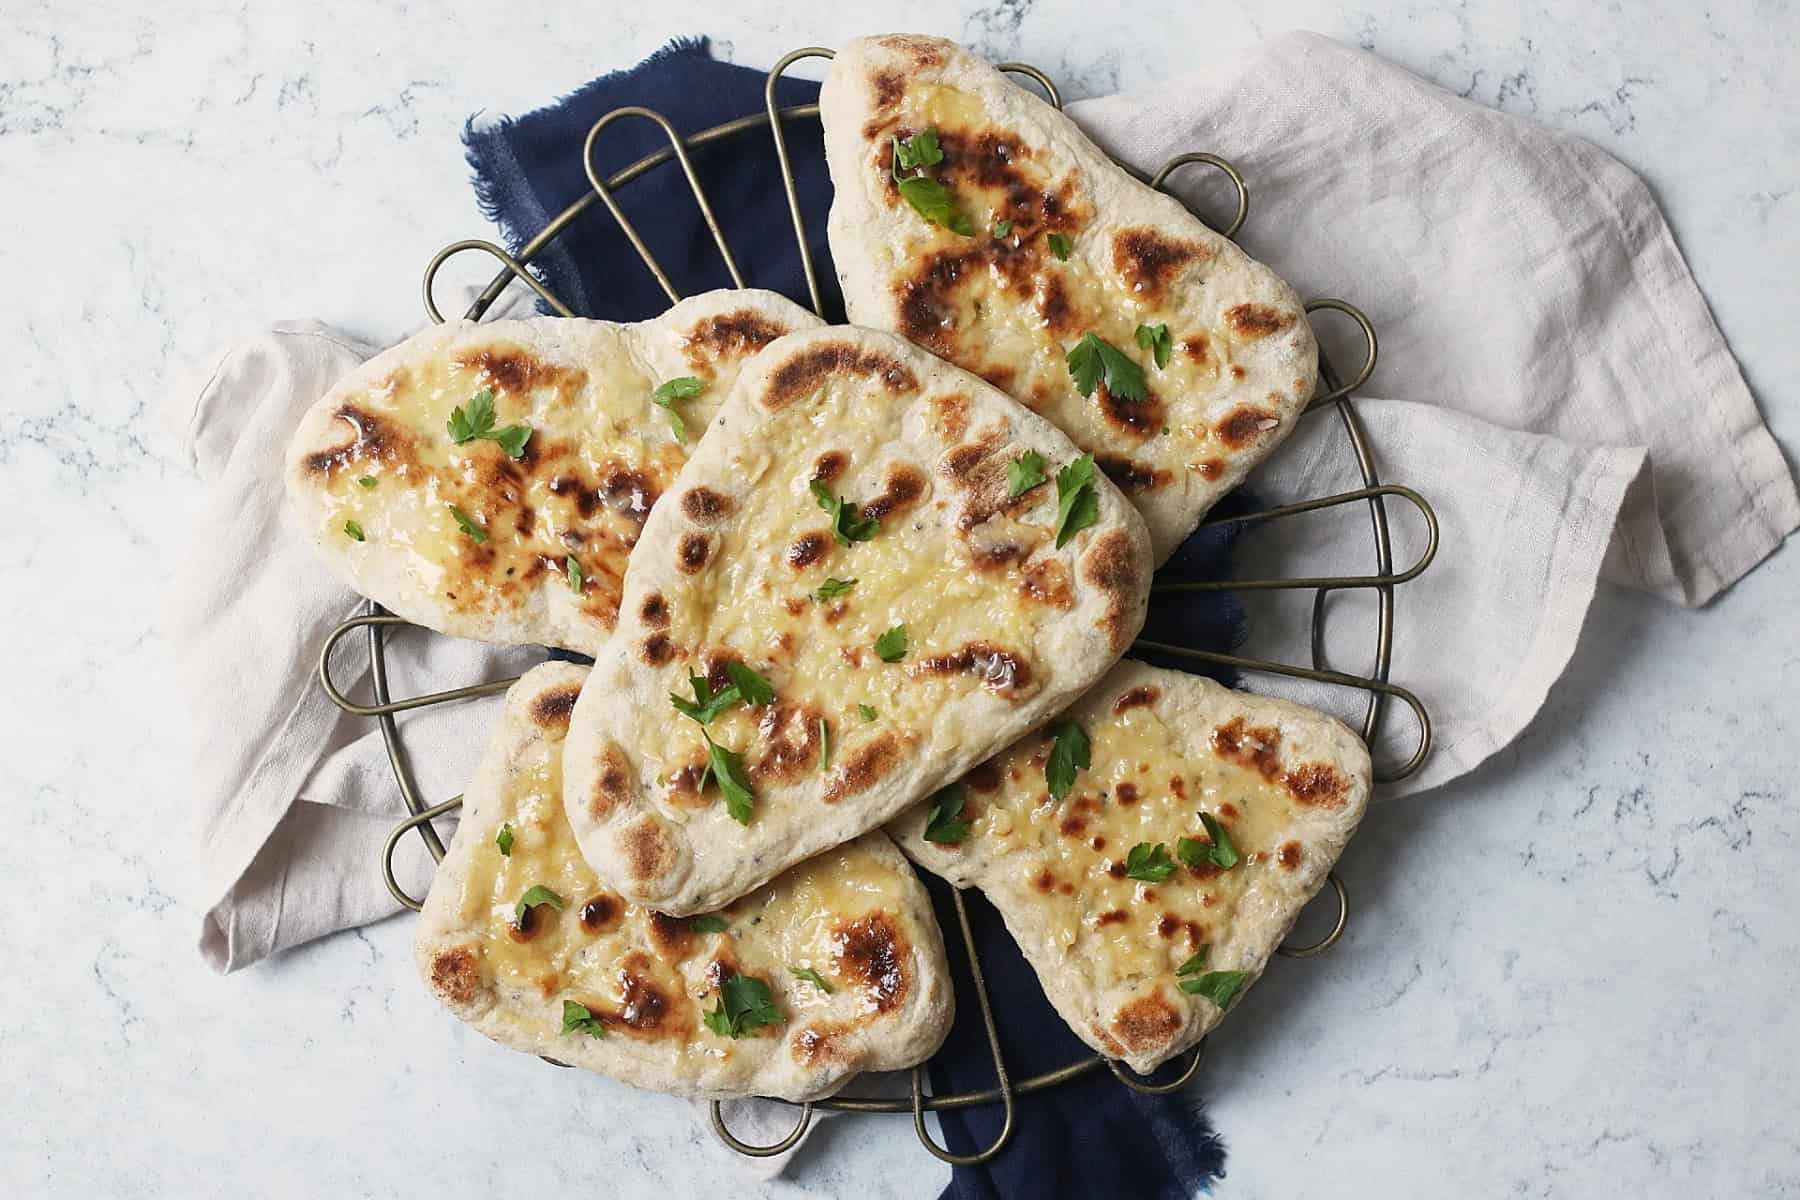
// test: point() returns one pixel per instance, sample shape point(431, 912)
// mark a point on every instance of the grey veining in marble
point(1572, 974)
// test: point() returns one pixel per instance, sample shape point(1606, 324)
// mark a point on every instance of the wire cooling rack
point(1374, 494)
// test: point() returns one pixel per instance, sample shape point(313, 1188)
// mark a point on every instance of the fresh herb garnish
point(709, 923)
point(1077, 504)
point(728, 767)
point(706, 703)
point(353, 531)
point(929, 198)
point(475, 422)
point(504, 839)
point(1068, 754)
point(865, 712)
point(833, 587)
point(1059, 245)
point(1094, 357)
point(945, 824)
point(1219, 852)
point(467, 524)
point(845, 526)
point(744, 1005)
point(1221, 987)
point(756, 690)
point(1002, 227)
point(891, 646)
point(1155, 338)
point(367, 481)
point(813, 977)
point(573, 570)
point(1024, 473)
point(577, 1019)
point(824, 747)
point(1149, 863)
point(534, 896)
point(666, 394)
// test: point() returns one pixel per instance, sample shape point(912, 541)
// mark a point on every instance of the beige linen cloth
point(1550, 379)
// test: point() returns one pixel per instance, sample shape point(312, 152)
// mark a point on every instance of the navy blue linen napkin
point(1091, 1138)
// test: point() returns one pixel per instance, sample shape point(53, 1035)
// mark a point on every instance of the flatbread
point(373, 460)
point(856, 916)
point(1287, 784)
point(1242, 360)
point(1003, 628)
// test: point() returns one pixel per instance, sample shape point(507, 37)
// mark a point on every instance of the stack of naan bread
point(848, 588)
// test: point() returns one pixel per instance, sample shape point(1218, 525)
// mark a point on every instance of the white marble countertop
point(1572, 974)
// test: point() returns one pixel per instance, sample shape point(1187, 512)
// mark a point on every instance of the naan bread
point(1002, 628)
point(1241, 364)
point(1288, 786)
point(374, 475)
point(856, 916)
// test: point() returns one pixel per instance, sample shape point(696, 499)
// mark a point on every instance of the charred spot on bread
point(1046, 582)
point(805, 371)
point(1003, 672)
point(1148, 260)
point(1111, 565)
point(649, 853)
point(1317, 785)
point(1130, 474)
point(1147, 1023)
point(1140, 419)
point(693, 552)
point(456, 975)
point(731, 335)
point(653, 611)
point(601, 913)
point(1141, 696)
point(1244, 426)
point(1258, 320)
point(900, 490)
point(808, 549)
point(673, 937)
point(551, 709)
point(788, 741)
point(1288, 856)
point(863, 768)
point(703, 506)
point(872, 951)
point(657, 650)
point(376, 439)
point(612, 783)
point(829, 466)
point(1257, 747)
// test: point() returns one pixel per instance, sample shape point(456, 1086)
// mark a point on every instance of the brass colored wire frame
point(1373, 493)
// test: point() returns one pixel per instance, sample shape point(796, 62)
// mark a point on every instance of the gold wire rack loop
point(787, 1143)
point(993, 1036)
point(423, 817)
point(513, 266)
point(1322, 582)
point(787, 166)
point(375, 623)
point(679, 148)
point(1332, 304)
point(1230, 231)
point(1337, 930)
point(1135, 1082)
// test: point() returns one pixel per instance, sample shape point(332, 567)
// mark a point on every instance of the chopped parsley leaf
point(845, 526)
point(945, 824)
point(1077, 504)
point(1155, 338)
point(833, 587)
point(706, 703)
point(1149, 863)
point(891, 646)
point(1059, 245)
point(578, 1019)
point(467, 524)
point(475, 422)
point(504, 839)
point(534, 896)
point(745, 1004)
point(353, 531)
point(1068, 754)
point(813, 977)
point(1024, 473)
point(1095, 358)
